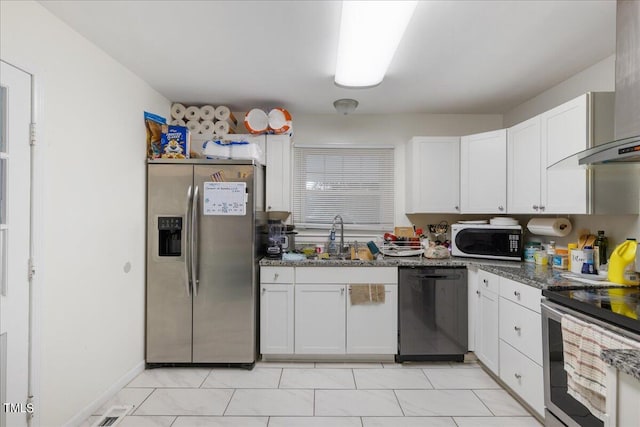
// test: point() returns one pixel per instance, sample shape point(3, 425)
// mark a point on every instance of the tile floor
point(319, 395)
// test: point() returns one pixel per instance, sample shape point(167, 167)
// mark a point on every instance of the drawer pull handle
point(275, 276)
point(264, 290)
point(478, 292)
point(517, 375)
point(518, 329)
point(486, 282)
point(517, 294)
point(342, 291)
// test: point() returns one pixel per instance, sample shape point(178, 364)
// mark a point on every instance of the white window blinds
point(356, 183)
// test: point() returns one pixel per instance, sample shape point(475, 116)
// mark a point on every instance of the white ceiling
point(456, 56)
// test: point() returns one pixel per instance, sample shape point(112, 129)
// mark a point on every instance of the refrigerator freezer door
point(224, 310)
point(169, 308)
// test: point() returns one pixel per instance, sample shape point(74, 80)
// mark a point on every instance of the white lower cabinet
point(373, 328)
point(523, 376)
point(276, 319)
point(320, 321)
point(487, 325)
point(312, 313)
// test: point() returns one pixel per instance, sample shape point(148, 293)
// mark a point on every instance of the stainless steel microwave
point(487, 241)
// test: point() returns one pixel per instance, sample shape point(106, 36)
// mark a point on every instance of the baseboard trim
point(88, 411)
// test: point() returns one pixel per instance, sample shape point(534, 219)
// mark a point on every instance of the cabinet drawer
point(276, 275)
point(522, 328)
point(523, 376)
point(488, 282)
point(520, 293)
point(386, 275)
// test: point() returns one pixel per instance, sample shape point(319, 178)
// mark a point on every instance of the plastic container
point(530, 250)
point(570, 247)
point(561, 259)
point(622, 264)
point(587, 265)
point(540, 257)
point(551, 250)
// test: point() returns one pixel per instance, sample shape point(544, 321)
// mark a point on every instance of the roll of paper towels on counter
point(557, 227)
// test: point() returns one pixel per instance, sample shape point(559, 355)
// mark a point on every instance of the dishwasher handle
point(439, 276)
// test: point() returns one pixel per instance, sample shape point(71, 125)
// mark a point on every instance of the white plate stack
point(503, 220)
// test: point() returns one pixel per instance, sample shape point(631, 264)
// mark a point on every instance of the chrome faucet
point(333, 228)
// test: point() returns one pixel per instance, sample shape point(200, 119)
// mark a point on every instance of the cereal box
point(176, 142)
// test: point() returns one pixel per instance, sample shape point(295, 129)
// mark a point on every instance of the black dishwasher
point(432, 314)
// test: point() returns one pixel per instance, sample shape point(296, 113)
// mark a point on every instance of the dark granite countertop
point(627, 361)
point(538, 276)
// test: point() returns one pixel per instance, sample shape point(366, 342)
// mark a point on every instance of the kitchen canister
point(577, 257)
point(530, 250)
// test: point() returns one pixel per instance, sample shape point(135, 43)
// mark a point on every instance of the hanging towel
point(366, 294)
point(586, 372)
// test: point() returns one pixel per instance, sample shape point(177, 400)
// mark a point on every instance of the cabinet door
point(487, 325)
point(433, 175)
point(278, 175)
point(276, 319)
point(523, 167)
point(373, 328)
point(320, 319)
point(523, 376)
point(483, 172)
point(564, 132)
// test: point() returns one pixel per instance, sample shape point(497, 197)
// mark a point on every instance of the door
point(225, 288)
point(373, 328)
point(483, 172)
point(320, 319)
point(523, 167)
point(15, 117)
point(168, 293)
point(564, 132)
point(435, 178)
point(276, 319)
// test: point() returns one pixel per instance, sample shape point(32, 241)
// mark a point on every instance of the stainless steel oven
point(561, 409)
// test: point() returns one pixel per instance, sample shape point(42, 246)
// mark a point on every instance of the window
point(356, 183)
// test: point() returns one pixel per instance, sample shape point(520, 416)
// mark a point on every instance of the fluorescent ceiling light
point(370, 32)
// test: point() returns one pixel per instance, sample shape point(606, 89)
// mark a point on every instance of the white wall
point(600, 77)
point(395, 130)
point(92, 209)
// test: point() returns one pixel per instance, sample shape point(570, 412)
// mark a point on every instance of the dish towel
point(586, 372)
point(366, 294)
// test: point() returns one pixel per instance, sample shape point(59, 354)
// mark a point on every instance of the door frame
point(36, 243)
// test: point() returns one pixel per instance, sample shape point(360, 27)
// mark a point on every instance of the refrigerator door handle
point(194, 242)
point(187, 243)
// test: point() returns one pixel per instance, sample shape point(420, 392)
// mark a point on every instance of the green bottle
point(603, 244)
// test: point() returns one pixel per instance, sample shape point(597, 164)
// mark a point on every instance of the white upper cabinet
point(564, 132)
point(523, 167)
point(433, 175)
point(278, 174)
point(539, 142)
point(483, 172)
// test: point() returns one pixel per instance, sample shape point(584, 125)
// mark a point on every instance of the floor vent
point(113, 416)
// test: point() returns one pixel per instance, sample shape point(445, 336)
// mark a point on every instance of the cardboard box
point(176, 142)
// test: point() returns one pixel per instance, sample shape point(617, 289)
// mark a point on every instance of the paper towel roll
point(221, 128)
point(208, 112)
point(194, 126)
point(207, 127)
point(256, 121)
point(177, 111)
point(192, 113)
point(178, 122)
point(223, 113)
point(558, 227)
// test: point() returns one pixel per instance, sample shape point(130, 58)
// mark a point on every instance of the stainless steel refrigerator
point(203, 219)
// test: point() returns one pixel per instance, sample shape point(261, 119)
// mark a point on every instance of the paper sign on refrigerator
point(225, 198)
